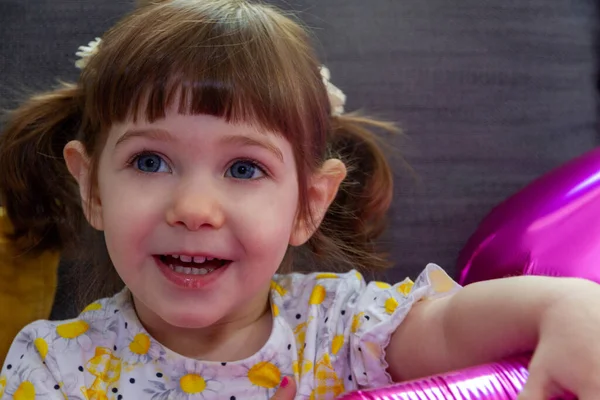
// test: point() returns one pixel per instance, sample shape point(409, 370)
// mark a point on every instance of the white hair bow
point(337, 98)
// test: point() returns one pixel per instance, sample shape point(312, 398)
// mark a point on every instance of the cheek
point(128, 216)
point(269, 220)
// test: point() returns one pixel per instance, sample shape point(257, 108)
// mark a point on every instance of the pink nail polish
point(285, 381)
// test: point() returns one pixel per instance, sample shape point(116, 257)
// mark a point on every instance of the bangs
point(241, 62)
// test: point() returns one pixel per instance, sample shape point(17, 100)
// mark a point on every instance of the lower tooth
point(191, 271)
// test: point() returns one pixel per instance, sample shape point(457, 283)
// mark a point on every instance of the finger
point(286, 390)
point(537, 387)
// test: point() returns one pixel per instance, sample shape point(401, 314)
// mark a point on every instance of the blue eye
point(150, 163)
point(245, 170)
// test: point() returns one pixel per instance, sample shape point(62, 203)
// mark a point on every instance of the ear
point(78, 164)
point(322, 189)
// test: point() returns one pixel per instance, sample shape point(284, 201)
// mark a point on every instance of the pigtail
point(36, 190)
point(357, 217)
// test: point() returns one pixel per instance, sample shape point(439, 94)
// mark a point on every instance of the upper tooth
point(199, 259)
point(186, 258)
point(175, 256)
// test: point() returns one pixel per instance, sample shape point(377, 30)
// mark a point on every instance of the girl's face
point(197, 214)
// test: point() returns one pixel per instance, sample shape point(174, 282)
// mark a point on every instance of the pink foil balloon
point(498, 381)
point(551, 227)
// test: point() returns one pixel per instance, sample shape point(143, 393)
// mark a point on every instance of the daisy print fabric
point(329, 333)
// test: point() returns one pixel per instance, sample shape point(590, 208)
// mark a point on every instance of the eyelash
point(257, 164)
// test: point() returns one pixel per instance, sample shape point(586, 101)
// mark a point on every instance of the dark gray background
point(490, 93)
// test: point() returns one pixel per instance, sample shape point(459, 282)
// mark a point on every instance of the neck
point(233, 338)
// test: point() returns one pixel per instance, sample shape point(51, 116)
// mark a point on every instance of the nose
point(195, 208)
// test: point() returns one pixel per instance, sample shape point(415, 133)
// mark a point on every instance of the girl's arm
point(483, 322)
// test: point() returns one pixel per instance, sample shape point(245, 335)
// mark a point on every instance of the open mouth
point(193, 265)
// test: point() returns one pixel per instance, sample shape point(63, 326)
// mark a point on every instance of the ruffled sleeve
point(378, 310)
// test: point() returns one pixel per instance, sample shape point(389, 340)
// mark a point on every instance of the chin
point(190, 320)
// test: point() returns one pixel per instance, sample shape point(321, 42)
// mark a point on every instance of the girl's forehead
point(177, 125)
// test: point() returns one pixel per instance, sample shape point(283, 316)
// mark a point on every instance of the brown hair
point(233, 59)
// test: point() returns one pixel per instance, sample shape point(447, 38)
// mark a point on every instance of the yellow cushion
point(27, 287)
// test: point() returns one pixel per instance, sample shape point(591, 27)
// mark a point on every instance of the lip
point(187, 281)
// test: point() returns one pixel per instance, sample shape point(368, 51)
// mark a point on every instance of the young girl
point(202, 143)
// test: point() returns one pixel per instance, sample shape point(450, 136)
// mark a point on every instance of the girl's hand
point(567, 357)
point(286, 390)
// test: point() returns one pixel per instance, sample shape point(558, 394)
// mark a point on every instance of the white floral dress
point(329, 333)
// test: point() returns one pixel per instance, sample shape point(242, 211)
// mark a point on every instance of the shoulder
point(297, 295)
point(56, 349)
point(107, 308)
point(98, 316)
point(96, 322)
point(299, 285)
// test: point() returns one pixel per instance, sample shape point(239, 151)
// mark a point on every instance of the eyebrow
point(161, 134)
point(157, 134)
point(250, 141)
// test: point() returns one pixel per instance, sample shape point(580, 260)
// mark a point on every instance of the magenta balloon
point(551, 227)
point(498, 381)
